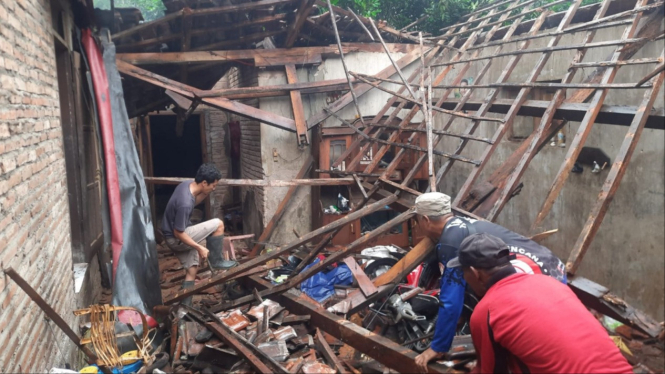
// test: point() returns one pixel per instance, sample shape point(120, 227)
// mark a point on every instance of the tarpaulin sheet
point(137, 273)
point(321, 286)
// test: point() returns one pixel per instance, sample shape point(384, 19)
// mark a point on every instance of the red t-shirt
point(544, 328)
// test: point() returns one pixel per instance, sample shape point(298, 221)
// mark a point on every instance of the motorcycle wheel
point(379, 266)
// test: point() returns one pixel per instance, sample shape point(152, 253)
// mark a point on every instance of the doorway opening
point(176, 153)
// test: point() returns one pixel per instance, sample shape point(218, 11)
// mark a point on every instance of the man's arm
point(452, 297)
point(183, 237)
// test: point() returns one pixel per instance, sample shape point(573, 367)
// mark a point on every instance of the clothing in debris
point(531, 258)
point(178, 210)
point(534, 324)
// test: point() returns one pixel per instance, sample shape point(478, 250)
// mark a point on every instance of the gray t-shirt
point(178, 210)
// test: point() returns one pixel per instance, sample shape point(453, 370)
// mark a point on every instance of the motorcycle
point(408, 316)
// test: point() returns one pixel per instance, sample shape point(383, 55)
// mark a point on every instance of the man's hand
point(203, 252)
point(426, 357)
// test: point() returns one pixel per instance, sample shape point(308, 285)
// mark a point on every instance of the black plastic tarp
point(137, 274)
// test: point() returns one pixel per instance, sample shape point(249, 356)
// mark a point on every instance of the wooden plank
point(296, 104)
point(328, 353)
point(281, 208)
point(356, 301)
point(584, 129)
point(278, 90)
point(260, 182)
point(365, 284)
point(360, 186)
point(216, 102)
point(652, 74)
point(400, 187)
point(241, 40)
point(217, 279)
point(614, 178)
point(301, 53)
point(304, 9)
point(621, 115)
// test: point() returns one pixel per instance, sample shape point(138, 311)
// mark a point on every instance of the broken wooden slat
point(328, 353)
point(360, 186)
point(281, 208)
point(652, 74)
point(394, 275)
point(613, 178)
point(366, 285)
point(254, 356)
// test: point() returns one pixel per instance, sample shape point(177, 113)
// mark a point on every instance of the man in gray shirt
point(185, 240)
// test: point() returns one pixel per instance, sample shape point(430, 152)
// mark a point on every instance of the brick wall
point(34, 216)
point(254, 198)
point(216, 133)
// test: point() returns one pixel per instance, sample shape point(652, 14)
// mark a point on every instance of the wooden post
point(296, 104)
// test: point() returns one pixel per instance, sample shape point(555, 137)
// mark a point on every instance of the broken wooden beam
point(222, 56)
point(328, 353)
point(364, 283)
point(50, 313)
point(260, 182)
point(219, 102)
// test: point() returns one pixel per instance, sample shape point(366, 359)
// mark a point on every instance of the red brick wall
point(216, 128)
point(250, 149)
point(34, 216)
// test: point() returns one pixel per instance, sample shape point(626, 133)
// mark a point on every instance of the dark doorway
point(173, 155)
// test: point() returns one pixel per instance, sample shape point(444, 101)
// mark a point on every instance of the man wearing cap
point(529, 323)
point(436, 220)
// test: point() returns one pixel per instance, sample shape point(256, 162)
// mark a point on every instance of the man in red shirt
point(530, 323)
